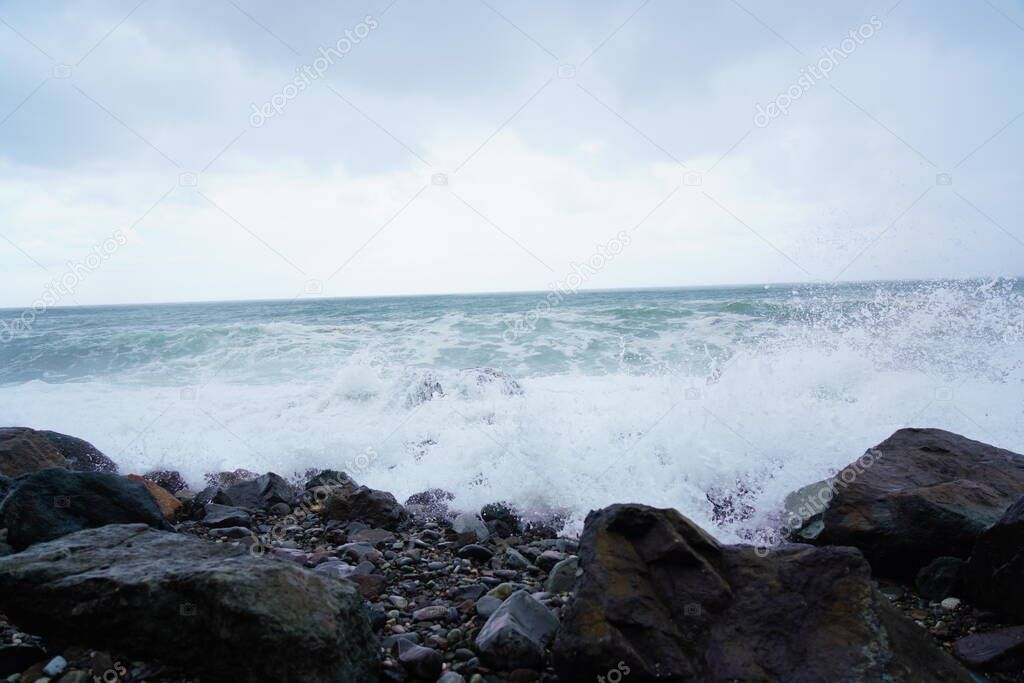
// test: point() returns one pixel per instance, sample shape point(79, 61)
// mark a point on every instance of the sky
point(243, 149)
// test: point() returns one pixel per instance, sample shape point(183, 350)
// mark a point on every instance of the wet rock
point(514, 559)
point(487, 605)
point(517, 634)
point(211, 494)
point(168, 504)
point(6, 484)
point(167, 479)
point(431, 613)
point(475, 552)
point(451, 677)
point(23, 451)
point(940, 578)
point(1001, 650)
point(548, 559)
point(421, 662)
point(430, 504)
point(363, 504)
point(81, 455)
point(502, 519)
point(664, 598)
point(52, 503)
point(994, 577)
point(562, 577)
point(202, 605)
point(918, 495)
point(485, 376)
point(221, 516)
point(466, 523)
point(261, 493)
point(423, 387)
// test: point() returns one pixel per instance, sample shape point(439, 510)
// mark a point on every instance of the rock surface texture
point(52, 503)
point(214, 608)
point(919, 495)
point(995, 573)
point(660, 596)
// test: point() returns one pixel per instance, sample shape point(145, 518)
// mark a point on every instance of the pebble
point(55, 666)
point(950, 603)
point(431, 613)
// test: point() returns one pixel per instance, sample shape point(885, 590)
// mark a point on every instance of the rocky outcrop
point(23, 451)
point(52, 503)
point(919, 495)
point(994, 576)
point(210, 607)
point(81, 455)
point(660, 596)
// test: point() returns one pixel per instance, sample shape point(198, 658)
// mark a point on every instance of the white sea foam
point(658, 399)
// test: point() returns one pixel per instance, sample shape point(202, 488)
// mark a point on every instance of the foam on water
point(659, 397)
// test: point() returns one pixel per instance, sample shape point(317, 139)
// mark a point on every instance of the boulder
point(994, 577)
point(1000, 650)
point(563, 575)
point(501, 518)
point(363, 504)
point(261, 493)
point(940, 578)
point(421, 662)
point(168, 504)
point(517, 633)
point(430, 504)
point(52, 503)
point(918, 495)
point(80, 454)
point(664, 598)
point(23, 451)
point(167, 479)
point(224, 516)
point(207, 607)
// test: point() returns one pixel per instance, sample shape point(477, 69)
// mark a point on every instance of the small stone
point(451, 677)
point(421, 662)
point(487, 605)
point(475, 552)
point(548, 559)
point(562, 578)
point(398, 601)
point(431, 613)
point(515, 559)
point(503, 590)
point(950, 603)
point(55, 666)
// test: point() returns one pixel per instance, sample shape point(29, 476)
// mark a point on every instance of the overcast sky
point(473, 145)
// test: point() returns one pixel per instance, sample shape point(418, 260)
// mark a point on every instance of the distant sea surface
point(666, 397)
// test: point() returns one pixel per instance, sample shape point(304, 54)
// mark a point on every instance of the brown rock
point(23, 451)
point(168, 504)
point(661, 597)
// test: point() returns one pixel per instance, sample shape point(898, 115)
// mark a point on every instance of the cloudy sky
point(209, 150)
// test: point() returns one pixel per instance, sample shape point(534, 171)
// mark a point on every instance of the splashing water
point(718, 402)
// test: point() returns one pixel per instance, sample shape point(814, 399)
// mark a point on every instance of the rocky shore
point(908, 565)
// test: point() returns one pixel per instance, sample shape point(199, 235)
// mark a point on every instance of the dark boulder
point(1000, 650)
point(223, 516)
point(502, 519)
point(363, 504)
point(517, 634)
point(995, 573)
point(207, 607)
point(261, 493)
point(662, 597)
point(80, 454)
point(918, 495)
point(56, 502)
point(167, 479)
point(6, 484)
point(23, 451)
point(940, 578)
point(430, 504)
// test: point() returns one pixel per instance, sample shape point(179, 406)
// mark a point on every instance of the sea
point(715, 401)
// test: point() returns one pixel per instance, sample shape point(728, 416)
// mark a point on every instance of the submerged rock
point(662, 597)
point(207, 607)
point(52, 503)
point(919, 495)
point(994, 576)
point(23, 451)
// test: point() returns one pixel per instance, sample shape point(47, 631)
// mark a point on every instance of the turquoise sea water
point(564, 401)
